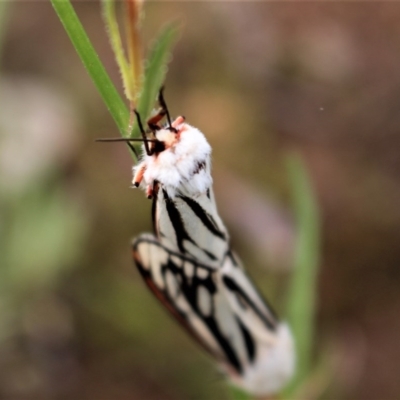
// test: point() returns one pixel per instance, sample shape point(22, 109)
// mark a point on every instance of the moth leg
point(133, 150)
point(142, 131)
point(138, 176)
point(155, 119)
point(161, 113)
point(152, 190)
point(149, 191)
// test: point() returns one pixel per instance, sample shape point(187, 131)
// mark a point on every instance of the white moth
point(189, 266)
point(175, 171)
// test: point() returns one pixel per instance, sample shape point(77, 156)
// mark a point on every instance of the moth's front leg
point(149, 191)
point(138, 175)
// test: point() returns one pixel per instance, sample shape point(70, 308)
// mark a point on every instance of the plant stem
point(302, 293)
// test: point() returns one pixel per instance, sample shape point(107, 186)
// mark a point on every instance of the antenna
point(128, 142)
point(163, 105)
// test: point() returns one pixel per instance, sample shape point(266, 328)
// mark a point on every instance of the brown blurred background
point(259, 79)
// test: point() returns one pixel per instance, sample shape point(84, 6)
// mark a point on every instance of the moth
point(175, 171)
point(189, 266)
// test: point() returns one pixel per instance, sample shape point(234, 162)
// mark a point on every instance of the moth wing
point(176, 281)
point(197, 296)
point(273, 362)
point(191, 225)
point(246, 302)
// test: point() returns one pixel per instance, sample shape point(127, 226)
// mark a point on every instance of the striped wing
point(191, 225)
point(219, 307)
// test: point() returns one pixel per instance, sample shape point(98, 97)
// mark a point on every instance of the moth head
point(168, 136)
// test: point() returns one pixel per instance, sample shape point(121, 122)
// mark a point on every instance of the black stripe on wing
point(189, 287)
point(161, 295)
point(246, 301)
point(249, 341)
point(205, 218)
point(179, 227)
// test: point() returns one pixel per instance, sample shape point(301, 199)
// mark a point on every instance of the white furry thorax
point(184, 165)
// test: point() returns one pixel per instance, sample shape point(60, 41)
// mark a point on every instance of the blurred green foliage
point(45, 234)
point(257, 79)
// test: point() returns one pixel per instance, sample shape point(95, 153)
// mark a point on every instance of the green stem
point(302, 293)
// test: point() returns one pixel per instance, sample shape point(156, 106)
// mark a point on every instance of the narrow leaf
point(92, 63)
point(114, 34)
point(133, 15)
point(155, 72)
point(302, 293)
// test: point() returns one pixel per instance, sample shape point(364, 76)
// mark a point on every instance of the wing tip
point(274, 366)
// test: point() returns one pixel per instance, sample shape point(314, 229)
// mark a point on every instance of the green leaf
point(92, 63)
point(110, 18)
point(155, 72)
point(302, 293)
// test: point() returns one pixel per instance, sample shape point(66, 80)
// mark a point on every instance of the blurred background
point(260, 80)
